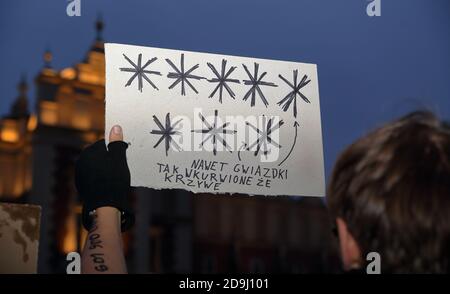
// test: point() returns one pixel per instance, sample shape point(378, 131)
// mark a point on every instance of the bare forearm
point(103, 250)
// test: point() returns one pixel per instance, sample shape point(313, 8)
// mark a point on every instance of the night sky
point(370, 69)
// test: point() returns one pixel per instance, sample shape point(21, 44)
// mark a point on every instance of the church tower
point(70, 115)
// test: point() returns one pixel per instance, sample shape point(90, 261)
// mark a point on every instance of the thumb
point(116, 146)
point(116, 134)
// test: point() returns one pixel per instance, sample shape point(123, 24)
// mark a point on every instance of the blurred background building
point(175, 230)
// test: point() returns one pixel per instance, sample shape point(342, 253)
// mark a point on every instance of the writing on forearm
point(103, 251)
point(97, 258)
point(95, 247)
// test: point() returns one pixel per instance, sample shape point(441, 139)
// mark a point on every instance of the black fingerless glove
point(102, 179)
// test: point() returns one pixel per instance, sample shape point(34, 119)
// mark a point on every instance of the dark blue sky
point(370, 69)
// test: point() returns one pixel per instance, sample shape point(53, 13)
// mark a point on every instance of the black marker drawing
point(264, 136)
point(255, 82)
point(296, 125)
point(182, 76)
point(166, 132)
point(215, 132)
point(292, 96)
point(140, 72)
point(244, 145)
point(222, 79)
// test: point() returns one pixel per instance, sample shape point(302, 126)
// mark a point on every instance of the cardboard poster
point(19, 238)
point(216, 123)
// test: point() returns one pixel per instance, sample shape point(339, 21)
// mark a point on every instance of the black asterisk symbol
point(264, 135)
point(222, 79)
point(167, 132)
point(180, 75)
point(140, 72)
point(215, 132)
point(255, 82)
point(292, 96)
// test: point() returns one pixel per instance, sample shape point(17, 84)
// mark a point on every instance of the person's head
point(390, 193)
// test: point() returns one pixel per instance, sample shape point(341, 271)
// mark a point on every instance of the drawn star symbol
point(180, 75)
point(222, 79)
point(140, 72)
point(167, 132)
point(215, 132)
point(255, 83)
point(264, 135)
point(292, 96)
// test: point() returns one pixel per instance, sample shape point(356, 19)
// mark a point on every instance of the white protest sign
point(19, 238)
point(216, 123)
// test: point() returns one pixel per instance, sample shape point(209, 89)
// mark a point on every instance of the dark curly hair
point(392, 188)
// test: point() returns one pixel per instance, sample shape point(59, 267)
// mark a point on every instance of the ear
point(350, 251)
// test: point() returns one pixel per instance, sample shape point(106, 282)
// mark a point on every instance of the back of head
point(392, 189)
